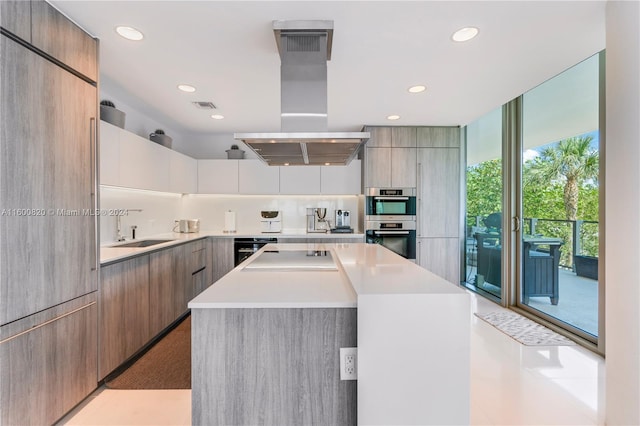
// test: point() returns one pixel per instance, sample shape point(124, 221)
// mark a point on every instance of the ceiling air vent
point(204, 105)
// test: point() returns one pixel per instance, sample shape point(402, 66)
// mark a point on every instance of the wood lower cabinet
point(48, 363)
point(197, 273)
point(167, 283)
point(123, 312)
point(176, 275)
point(222, 260)
point(272, 366)
point(440, 256)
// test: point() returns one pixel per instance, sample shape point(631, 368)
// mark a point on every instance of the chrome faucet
point(119, 236)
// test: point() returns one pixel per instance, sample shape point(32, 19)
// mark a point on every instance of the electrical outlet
point(348, 363)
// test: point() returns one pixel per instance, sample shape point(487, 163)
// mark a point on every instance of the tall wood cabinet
point(428, 159)
point(15, 16)
point(49, 251)
point(438, 193)
point(48, 247)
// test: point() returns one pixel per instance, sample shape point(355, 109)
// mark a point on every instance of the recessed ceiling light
point(286, 164)
point(327, 164)
point(129, 33)
point(186, 88)
point(393, 117)
point(417, 89)
point(465, 34)
point(217, 116)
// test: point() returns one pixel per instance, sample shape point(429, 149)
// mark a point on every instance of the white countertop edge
point(110, 254)
point(270, 305)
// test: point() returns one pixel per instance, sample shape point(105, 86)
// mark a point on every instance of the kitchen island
point(266, 340)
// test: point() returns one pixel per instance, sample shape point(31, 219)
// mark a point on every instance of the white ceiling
point(227, 50)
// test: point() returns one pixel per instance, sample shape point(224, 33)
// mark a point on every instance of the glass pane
point(391, 207)
point(484, 205)
point(560, 197)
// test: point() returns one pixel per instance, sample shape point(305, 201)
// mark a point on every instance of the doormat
point(524, 330)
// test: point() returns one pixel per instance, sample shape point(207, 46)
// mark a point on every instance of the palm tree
point(572, 161)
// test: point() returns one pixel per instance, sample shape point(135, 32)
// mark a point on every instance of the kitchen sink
point(142, 243)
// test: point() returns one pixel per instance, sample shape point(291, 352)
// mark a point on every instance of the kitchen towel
point(230, 221)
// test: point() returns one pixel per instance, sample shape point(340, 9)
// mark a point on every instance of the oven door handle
point(391, 232)
point(391, 198)
point(246, 250)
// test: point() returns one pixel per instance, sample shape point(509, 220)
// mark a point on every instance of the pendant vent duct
point(304, 48)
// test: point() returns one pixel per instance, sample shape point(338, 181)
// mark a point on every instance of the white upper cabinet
point(183, 174)
point(109, 154)
point(143, 164)
point(131, 161)
point(218, 176)
point(255, 177)
point(341, 179)
point(300, 180)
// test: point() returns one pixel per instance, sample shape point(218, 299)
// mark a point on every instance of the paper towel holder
point(229, 222)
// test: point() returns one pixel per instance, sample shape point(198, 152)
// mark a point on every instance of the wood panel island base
point(266, 340)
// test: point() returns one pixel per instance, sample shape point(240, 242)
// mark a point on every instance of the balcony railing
point(580, 237)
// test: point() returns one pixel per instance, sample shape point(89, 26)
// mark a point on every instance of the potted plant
point(161, 138)
point(235, 153)
point(110, 114)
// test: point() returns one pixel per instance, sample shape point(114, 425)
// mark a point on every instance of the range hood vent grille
point(303, 43)
point(304, 48)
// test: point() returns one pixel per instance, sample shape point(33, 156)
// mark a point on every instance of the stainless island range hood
point(305, 48)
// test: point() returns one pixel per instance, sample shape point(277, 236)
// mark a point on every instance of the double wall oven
point(391, 219)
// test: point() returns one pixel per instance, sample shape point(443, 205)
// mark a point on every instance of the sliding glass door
point(532, 187)
point(483, 263)
point(560, 193)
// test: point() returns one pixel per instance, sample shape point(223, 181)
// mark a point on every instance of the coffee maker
point(343, 222)
point(316, 220)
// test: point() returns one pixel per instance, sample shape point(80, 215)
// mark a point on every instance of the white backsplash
point(210, 209)
point(160, 210)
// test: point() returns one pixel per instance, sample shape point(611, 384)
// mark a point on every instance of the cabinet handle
point(93, 131)
point(419, 195)
point(199, 270)
point(390, 198)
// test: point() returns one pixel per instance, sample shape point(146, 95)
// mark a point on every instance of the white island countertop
point(361, 269)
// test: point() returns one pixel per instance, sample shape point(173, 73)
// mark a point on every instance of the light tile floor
point(511, 384)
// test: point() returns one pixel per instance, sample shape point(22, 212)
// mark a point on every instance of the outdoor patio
point(577, 304)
